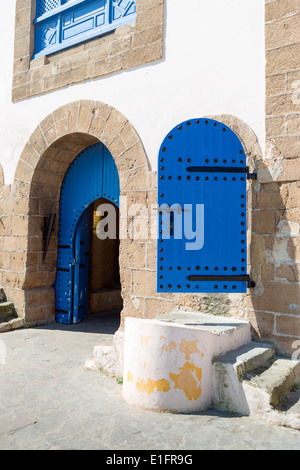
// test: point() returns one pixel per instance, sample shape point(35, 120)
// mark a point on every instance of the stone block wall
point(276, 214)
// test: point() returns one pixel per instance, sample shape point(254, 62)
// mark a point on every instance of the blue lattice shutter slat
point(63, 23)
point(202, 178)
point(44, 6)
point(122, 8)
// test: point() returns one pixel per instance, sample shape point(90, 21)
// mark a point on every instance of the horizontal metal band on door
point(222, 169)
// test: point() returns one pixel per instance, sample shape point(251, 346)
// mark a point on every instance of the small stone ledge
point(13, 324)
point(108, 358)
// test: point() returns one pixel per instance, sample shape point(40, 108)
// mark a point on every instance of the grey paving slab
point(48, 400)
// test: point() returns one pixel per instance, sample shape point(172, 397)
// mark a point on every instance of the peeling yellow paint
point(188, 380)
point(129, 376)
point(145, 340)
point(144, 365)
point(169, 347)
point(188, 348)
point(152, 386)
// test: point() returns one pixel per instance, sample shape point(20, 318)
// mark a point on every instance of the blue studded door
point(202, 198)
point(81, 268)
point(92, 175)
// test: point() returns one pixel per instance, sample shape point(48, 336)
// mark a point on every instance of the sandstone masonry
point(276, 214)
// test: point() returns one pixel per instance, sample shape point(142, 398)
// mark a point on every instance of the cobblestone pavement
point(48, 400)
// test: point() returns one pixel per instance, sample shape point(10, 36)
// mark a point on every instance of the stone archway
point(58, 139)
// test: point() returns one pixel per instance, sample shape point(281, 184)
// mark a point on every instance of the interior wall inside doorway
point(104, 286)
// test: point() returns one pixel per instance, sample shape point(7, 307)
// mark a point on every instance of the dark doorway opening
point(104, 271)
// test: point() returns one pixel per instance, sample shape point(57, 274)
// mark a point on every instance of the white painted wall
point(214, 64)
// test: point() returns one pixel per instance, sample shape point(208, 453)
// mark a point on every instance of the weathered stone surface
point(6, 310)
point(277, 307)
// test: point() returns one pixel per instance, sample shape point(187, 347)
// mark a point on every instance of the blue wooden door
point(81, 268)
point(92, 175)
point(202, 197)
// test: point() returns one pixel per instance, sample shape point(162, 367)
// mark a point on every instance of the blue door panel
point(63, 294)
point(91, 171)
point(202, 170)
point(81, 268)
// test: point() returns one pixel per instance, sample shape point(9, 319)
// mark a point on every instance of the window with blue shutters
point(64, 23)
point(202, 203)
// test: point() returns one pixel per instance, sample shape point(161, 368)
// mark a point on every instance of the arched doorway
point(45, 159)
point(91, 178)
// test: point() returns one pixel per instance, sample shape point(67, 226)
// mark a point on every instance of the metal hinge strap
point(222, 169)
point(237, 278)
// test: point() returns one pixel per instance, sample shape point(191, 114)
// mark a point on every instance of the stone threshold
point(13, 324)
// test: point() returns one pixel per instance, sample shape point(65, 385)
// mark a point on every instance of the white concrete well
point(168, 361)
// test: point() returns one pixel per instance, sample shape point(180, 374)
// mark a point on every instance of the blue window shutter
point(45, 6)
point(202, 198)
point(64, 23)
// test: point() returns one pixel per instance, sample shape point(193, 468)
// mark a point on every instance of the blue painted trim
point(87, 37)
point(58, 10)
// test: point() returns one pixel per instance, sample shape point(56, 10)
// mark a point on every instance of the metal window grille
point(44, 6)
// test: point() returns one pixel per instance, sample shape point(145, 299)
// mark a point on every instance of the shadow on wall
point(274, 258)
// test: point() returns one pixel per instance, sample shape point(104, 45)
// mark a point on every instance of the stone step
point(7, 311)
point(248, 357)
point(105, 300)
point(13, 324)
point(252, 381)
point(2, 295)
point(108, 357)
point(229, 333)
point(8, 317)
point(276, 378)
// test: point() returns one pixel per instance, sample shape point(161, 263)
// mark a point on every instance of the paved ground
point(48, 400)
